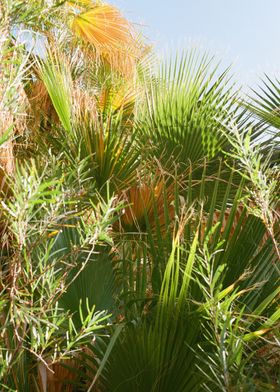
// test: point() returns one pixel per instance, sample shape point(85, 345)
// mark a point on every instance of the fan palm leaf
point(110, 33)
point(266, 102)
point(187, 105)
point(264, 106)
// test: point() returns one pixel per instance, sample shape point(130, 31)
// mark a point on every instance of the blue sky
point(243, 32)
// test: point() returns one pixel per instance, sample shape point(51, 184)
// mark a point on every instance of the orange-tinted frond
point(41, 107)
point(150, 201)
point(122, 62)
point(104, 27)
point(110, 33)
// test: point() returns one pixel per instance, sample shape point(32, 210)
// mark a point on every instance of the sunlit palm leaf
point(110, 33)
point(266, 102)
point(57, 79)
point(265, 106)
point(186, 108)
point(103, 26)
point(119, 102)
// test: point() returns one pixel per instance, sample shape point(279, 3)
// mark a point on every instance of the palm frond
point(186, 106)
point(266, 102)
point(57, 80)
point(110, 33)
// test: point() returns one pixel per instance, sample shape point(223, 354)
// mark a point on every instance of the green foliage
point(109, 152)
point(187, 107)
point(36, 272)
point(139, 218)
point(154, 355)
point(53, 74)
point(265, 103)
point(224, 296)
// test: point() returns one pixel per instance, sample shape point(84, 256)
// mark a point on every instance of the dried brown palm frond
point(55, 74)
point(84, 104)
point(41, 107)
point(122, 61)
point(42, 110)
point(103, 26)
point(5, 192)
point(57, 377)
point(149, 200)
point(7, 159)
point(112, 36)
point(223, 218)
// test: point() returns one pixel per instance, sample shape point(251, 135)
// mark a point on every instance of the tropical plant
point(139, 212)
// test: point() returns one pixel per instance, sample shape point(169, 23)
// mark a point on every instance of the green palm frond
point(265, 103)
point(95, 284)
point(110, 152)
point(264, 106)
point(57, 79)
point(187, 105)
point(155, 356)
point(139, 211)
point(244, 272)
